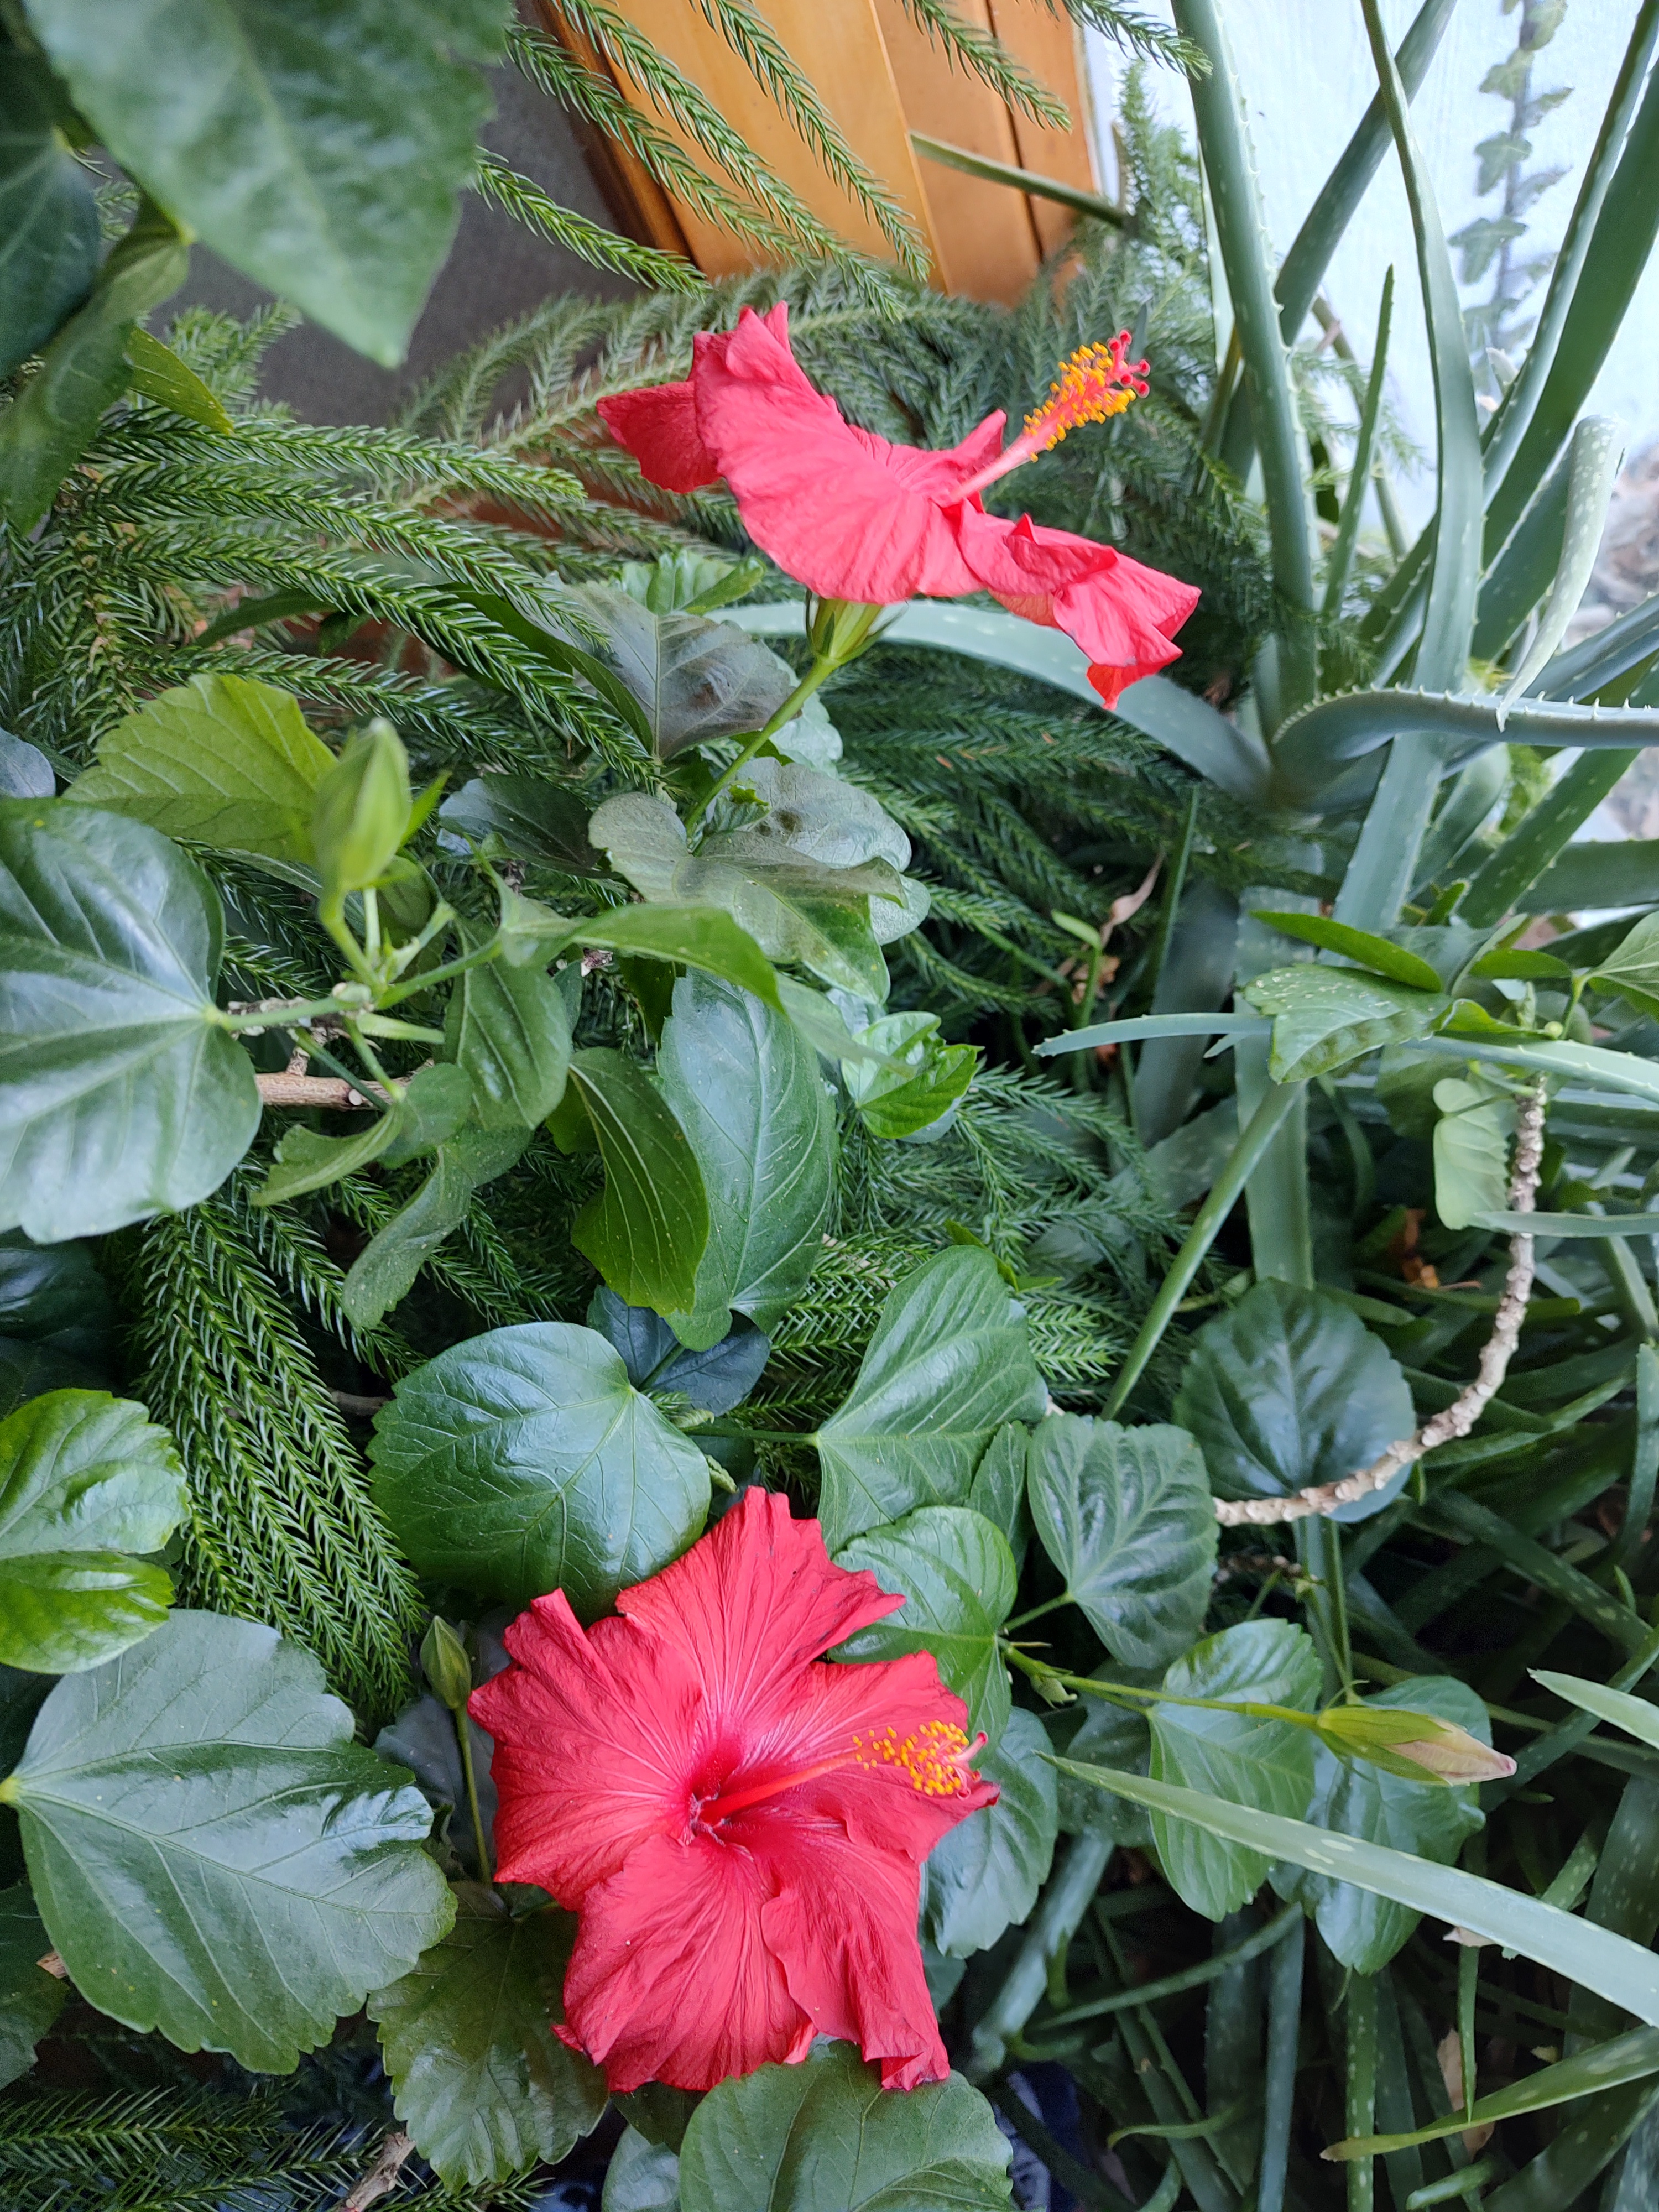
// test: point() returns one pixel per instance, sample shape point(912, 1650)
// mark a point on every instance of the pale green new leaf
point(159, 374)
point(1470, 1149)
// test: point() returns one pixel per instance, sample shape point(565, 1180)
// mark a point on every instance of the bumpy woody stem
point(1460, 1416)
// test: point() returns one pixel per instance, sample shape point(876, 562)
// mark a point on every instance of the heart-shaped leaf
point(84, 1481)
point(948, 1364)
point(211, 1854)
point(695, 680)
point(955, 1575)
point(745, 1086)
point(221, 760)
point(524, 1461)
point(1289, 1389)
point(984, 1875)
point(1352, 1797)
point(1267, 1764)
point(1125, 1514)
point(825, 2136)
point(481, 2081)
point(121, 1092)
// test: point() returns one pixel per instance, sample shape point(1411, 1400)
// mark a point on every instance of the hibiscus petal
point(746, 1608)
point(595, 1739)
point(659, 426)
point(671, 1978)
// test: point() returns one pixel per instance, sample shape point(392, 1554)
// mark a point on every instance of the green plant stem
point(822, 668)
point(1279, 2089)
point(464, 1737)
point(1190, 1977)
point(1335, 1580)
point(1340, 567)
point(1049, 1605)
point(289, 1016)
point(1206, 1226)
point(1360, 2110)
point(489, 950)
point(1172, 891)
point(1125, 1694)
point(1065, 1899)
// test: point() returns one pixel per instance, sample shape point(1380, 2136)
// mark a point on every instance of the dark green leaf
point(998, 1489)
point(524, 1461)
point(825, 2136)
point(384, 1271)
point(53, 1296)
point(1355, 1798)
point(221, 760)
point(84, 1481)
point(49, 237)
point(159, 374)
point(1369, 951)
point(1125, 1514)
point(948, 1364)
point(956, 1576)
point(482, 2083)
point(694, 937)
point(743, 1085)
point(695, 680)
point(984, 1875)
point(30, 1999)
point(27, 1369)
point(715, 1379)
point(211, 1854)
point(1289, 1389)
point(1323, 1017)
point(646, 1231)
point(120, 1095)
point(321, 153)
point(520, 817)
point(431, 1107)
point(1266, 1763)
point(1111, 1735)
point(642, 2175)
point(507, 1028)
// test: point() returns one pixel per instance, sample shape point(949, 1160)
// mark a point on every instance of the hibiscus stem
point(464, 1737)
point(823, 666)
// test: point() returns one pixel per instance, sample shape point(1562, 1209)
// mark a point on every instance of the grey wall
point(496, 272)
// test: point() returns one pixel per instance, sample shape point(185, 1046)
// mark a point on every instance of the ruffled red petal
point(659, 426)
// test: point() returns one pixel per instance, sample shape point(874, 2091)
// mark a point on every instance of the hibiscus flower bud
point(1418, 1747)
point(445, 1665)
point(360, 815)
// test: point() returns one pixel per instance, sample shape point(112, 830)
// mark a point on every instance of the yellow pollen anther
point(1098, 382)
point(935, 1759)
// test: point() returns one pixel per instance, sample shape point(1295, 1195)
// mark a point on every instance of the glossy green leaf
point(211, 1854)
point(715, 1379)
point(984, 1875)
point(479, 2079)
point(26, 1370)
point(431, 1107)
point(49, 241)
point(1368, 950)
point(1624, 1972)
point(524, 1461)
point(84, 1481)
point(53, 1296)
point(825, 2136)
point(1471, 1148)
point(321, 154)
point(956, 1576)
point(1634, 1714)
point(1632, 972)
point(24, 771)
point(520, 817)
point(1125, 1515)
point(1289, 1389)
point(918, 1081)
point(1323, 1017)
point(949, 1364)
point(691, 936)
point(695, 680)
point(646, 1231)
point(743, 1085)
point(159, 374)
point(642, 2175)
point(1269, 1764)
point(1352, 1797)
point(221, 760)
point(30, 1998)
point(120, 1094)
point(998, 1489)
point(305, 1161)
point(385, 1270)
point(508, 1029)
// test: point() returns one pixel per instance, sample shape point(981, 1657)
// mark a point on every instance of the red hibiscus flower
point(855, 518)
point(740, 1826)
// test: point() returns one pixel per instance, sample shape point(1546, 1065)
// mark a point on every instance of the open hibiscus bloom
point(740, 1826)
point(852, 517)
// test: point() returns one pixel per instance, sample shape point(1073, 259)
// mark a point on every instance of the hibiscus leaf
point(524, 1461)
point(53, 1296)
point(998, 1489)
point(48, 214)
point(1323, 1017)
point(695, 680)
point(1269, 1764)
point(84, 1481)
point(948, 1364)
point(1125, 1514)
point(221, 760)
point(1356, 1798)
point(211, 1854)
point(385, 1270)
point(642, 2175)
point(984, 1874)
point(646, 1231)
point(825, 2136)
point(520, 817)
point(1289, 1389)
point(955, 1575)
point(745, 1086)
point(122, 1094)
point(481, 2081)
point(1471, 1148)
point(509, 1030)
point(30, 1999)
point(714, 1379)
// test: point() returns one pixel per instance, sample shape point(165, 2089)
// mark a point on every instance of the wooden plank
point(1050, 45)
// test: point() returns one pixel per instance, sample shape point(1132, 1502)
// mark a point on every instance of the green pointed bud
point(445, 1665)
point(362, 813)
point(1417, 1747)
point(839, 628)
